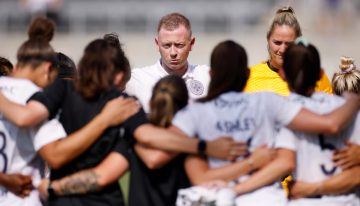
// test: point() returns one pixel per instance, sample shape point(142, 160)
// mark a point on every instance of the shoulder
point(261, 66)
point(203, 66)
point(147, 74)
point(265, 95)
point(324, 84)
point(17, 82)
point(200, 72)
point(319, 102)
point(204, 69)
point(145, 69)
point(329, 99)
point(18, 90)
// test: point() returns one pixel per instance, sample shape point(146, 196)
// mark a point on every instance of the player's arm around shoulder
point(341, 183)
point(59, 152)
point(88, 180)
point(282, 165)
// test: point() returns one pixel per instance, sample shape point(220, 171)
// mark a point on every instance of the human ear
point(192, 42)
point(118, 80)
point(157, 41)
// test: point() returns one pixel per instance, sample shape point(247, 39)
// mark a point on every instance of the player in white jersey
point(314, 152)
point(20, 146)
point(345, 177)
point(166, 139)
point(253, 118)
point(174, 41)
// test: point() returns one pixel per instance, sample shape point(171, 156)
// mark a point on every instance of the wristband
point(201, 147)
point(51, 191)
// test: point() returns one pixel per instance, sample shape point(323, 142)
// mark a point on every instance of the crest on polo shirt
point(194, 86)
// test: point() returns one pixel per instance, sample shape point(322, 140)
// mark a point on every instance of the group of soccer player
point(189, 134)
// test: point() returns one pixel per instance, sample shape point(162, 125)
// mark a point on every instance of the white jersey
point(314, 151)
point(253, 118)
point(19, 146)
point(143, 80)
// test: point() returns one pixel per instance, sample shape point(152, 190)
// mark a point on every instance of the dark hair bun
point(41, 28)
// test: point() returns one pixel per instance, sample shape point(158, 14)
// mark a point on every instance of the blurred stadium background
point(332, 25)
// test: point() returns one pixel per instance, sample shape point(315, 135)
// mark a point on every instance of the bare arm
point(199, 172)
point(330, 123)
point(343, 182)
point(27, 115)
point(90, 180)
point(64, 150)
point(155, 158)
point(155, 137)
point(283, 164)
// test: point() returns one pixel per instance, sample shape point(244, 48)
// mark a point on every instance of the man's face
point(174, 47)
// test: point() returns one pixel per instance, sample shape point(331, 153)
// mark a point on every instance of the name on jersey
point(7, 89)
point(223, 103)
point(241, 125)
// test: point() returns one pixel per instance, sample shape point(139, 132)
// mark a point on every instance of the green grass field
point(124, 184)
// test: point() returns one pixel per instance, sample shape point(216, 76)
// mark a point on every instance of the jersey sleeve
point(123, 147)
point(131, 86)
point(48, 132)
point(185, 120)
point(52, 97)
point(282, 110)
point(286, 139)
point(135, 121)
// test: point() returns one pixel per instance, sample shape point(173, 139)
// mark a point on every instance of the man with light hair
point(174, 41)
point(158, 184)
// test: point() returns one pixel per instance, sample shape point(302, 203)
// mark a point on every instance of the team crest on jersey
point(195, 87)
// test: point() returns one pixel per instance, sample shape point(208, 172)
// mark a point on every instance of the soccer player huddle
point(222, 135)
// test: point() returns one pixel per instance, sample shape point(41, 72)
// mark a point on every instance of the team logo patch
point(195, 87)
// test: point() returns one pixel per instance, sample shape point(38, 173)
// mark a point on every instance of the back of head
point(33, 52)
point(41, 27)
point(348, 78)
point(172, 21)
point(285, 16)
point(302, 67)
point(169, 95)
point(229, 69)
point(120, 61)
point(95, 69)
point(67, 68)
point(5, 67)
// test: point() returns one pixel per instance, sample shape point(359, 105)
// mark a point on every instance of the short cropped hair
point(173, 21)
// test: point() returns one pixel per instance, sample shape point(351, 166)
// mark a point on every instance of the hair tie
point(349, 69)
point(302, 40)
point(287, 8)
